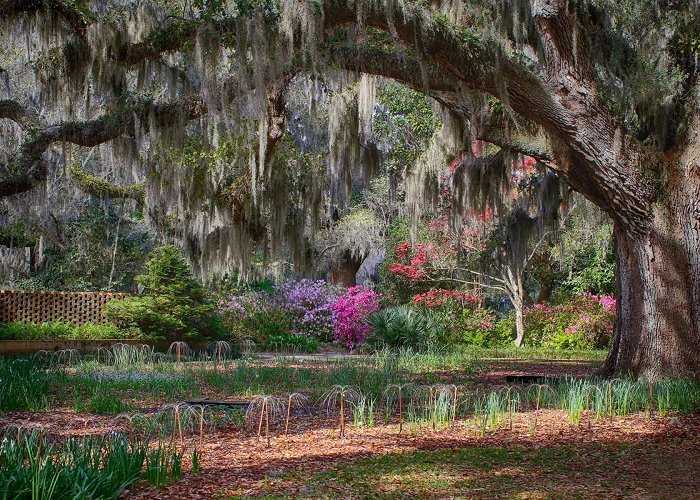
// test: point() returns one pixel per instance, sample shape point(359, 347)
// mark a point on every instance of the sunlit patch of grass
point(552, 471)
point(417, 474)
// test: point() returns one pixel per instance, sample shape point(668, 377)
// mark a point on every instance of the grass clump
point(24, 386)
point(86, 467)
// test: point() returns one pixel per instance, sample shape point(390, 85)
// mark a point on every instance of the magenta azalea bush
point(350, 313)
point(584, 322)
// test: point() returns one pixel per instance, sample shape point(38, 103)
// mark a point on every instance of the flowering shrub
point(310, 304)
point(254, 315)
point(240, 306)
point(585, 322)
point(438, 297)
point(298, 308)
point(304, 308)
point(416, 263)
point(350, 313)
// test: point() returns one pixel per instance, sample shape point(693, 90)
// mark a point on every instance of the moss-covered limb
point(567, 108)
point(366, 58)
point(75, 12)
point(496, 126)
point(172, 36)
point(459, 53)
point(28, 167)
point(123, 120)
point(520, 136)
point(14, 181)
point(99, 187)
point(12, 110)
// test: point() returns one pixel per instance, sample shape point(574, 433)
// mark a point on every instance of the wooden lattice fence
point(45, 307)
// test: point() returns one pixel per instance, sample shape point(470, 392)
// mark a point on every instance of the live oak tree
point(603, 93)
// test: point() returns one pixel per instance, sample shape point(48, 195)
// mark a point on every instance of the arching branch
point(28, 168)
point(12, 110)
point(99, 187)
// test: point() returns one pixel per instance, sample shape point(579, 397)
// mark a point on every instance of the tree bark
point(519, 323)
point(346, 269)
point(657, 332)
point(513, 279)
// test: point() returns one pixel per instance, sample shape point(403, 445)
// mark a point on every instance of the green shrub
point(92, 331)
point(584, 322)
point(568, 341)
point(174, 305)
point(19, 330)
point(300, 343)
point(404, 326)
point(263, 326)
point(481, 327)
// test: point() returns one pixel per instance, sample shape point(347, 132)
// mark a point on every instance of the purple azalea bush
point(311, 305)
point(350, 313)
point(242, 305)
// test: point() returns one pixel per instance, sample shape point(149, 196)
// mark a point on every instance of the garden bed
point(18, 347)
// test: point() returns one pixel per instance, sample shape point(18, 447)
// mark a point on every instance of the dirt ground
point(630, 457)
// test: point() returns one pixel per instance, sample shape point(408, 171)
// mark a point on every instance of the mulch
point(235, 463)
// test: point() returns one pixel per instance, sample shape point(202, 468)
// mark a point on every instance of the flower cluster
point(350, 312)
point(607, 301)
point(439, 296)
point(418, 262)
point(585, 321)
point(241, 305)
point(311, 305)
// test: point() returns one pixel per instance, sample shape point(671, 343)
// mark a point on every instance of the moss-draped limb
point(99, 187)
point(28, 168)
point(13, 110)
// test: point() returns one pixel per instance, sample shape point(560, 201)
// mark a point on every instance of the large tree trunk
point(345, 270)
point(658, 286)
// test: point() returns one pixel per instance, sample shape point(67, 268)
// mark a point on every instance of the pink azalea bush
point(584, 322)
point(350, 313)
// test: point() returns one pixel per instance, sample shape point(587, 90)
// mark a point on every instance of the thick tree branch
point(12, 110)
point(99, 187)
point(594, 154)
point(28, 168)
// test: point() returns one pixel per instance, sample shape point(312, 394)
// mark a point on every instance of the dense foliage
point(97, 250)
point(82, 467)
point(584, 322)
point(297, 310)
point(59, 330)
point(172, 304)
point(350, 313)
